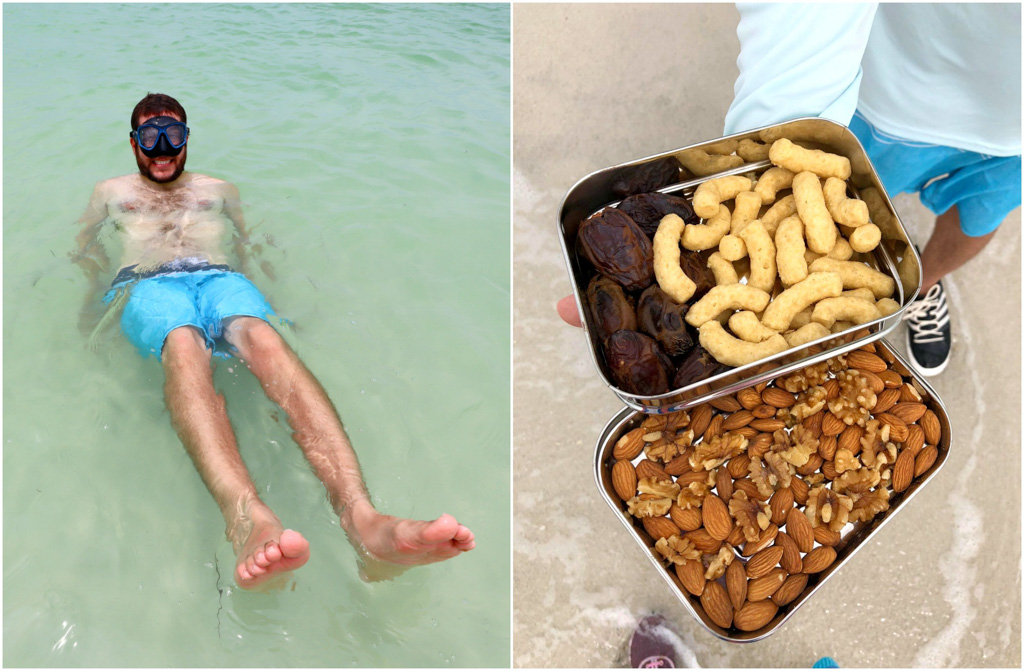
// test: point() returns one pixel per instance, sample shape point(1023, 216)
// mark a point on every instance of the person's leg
point(199, 415)
point(386, 544)
point(948, 248)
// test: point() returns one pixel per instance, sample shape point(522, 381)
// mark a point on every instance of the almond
point(819, 559)
point(763, 587)
point(781, 502)
point(764, 411)
point(891, 378)
point(630, 445)
point(827, 447)
point(897, 427)
point(754, 615)
point(714, 428)
point(791, 560)
point(910, 394)
point(778, 398)
point(651, 469)
point(865, 361)
point(700, 417)
point(790, 590)
point(764, 561)
point(717, 521)
point(925, 460)
point(723, 485)
point(747, 432)
point(813, 464)
point(813, 424)
point(876, 383)
point(800, 490)
point(915, 439)
point(716, 604)
point(828, 469)
point(748, 398)
point(767, 425)
point(759, 444)
point(932, 428)
point(831, 389)
point(886, 400)
point(691, 575)
point(624, 479)
point(737, 420)
point(680, 464)
point(825, 536)
point(747, 486)
point(735, 538)
point(903, 471)
point(909, 412)
point(738, 466)
point(736, 582)
point(800, 530)
point(726, 403)
point(688, 478)
point(849, 439)
point(660, 527)
point(703, 541)
point(831, 425)
point(766, 538)
point(687, 519)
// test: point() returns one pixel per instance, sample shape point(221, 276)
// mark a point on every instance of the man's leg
point(385, 543)
point(948, 248)
point(199, 415)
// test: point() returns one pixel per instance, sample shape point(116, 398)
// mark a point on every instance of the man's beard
point(140, 161)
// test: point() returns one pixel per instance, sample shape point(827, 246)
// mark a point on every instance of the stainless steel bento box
point(895, 255)
point(853, 536)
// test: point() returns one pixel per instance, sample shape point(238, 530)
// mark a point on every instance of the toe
point(463, 534)
point(261, 559)
point(254, 568)
point(442, 529)
point(272, 552)
point(292, 544)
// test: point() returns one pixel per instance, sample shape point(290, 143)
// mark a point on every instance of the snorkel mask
point(161, 136)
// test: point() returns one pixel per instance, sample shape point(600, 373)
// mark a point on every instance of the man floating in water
point(181, 299)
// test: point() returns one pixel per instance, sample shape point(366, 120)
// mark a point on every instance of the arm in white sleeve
point(798, 60)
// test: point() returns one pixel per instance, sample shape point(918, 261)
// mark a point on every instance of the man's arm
point(243, 247)
point(90, 255)
point(798, 60)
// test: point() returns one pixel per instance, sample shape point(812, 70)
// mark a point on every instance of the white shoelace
point(927, 316)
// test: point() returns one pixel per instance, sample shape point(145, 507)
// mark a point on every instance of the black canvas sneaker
point(928, 333)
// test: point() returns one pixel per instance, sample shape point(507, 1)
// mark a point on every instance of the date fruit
point(637, 363)
point(618, 248)
point(661, 317)
point(611, 309)
point(647, 209)
point(696, 268)
point(698, 365)
point(649, 176)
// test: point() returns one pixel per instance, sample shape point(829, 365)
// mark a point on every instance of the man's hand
point(568, 312)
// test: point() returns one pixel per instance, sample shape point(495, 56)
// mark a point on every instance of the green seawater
point(371, 146)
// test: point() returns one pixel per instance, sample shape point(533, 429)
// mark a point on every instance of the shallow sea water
point(371, 147)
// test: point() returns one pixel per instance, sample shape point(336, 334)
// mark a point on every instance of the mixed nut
point(748, 497)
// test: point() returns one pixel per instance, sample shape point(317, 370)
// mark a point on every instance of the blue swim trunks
point(183, 294)
point(984, 188)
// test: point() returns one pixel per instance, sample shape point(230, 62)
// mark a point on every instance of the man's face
point(160, 169)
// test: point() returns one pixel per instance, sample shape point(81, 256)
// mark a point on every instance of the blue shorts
point(984, 188)
point(201, 298)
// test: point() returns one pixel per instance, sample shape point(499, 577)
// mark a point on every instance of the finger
point(568, 312)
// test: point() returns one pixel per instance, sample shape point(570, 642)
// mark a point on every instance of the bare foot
point(390, 545)
point(268, 553)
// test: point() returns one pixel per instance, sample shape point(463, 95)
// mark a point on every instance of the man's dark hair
point(154, 104)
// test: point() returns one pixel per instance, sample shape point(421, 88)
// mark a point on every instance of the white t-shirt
point(947, 74)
